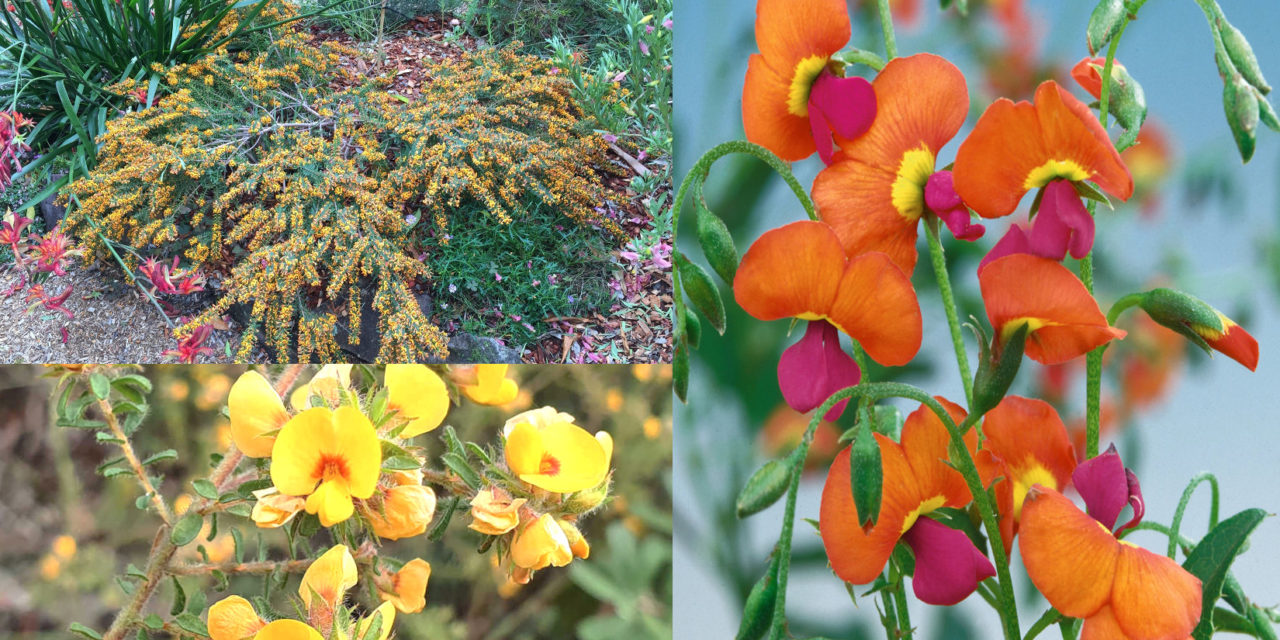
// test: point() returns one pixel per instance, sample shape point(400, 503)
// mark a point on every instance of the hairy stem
point(886, 25)
point(108, 414)
point(939, 260)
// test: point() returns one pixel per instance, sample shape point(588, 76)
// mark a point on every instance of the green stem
point(858, 56)
point(1051, 616)
point(886, 25)
point(939, 260)
point(1122, 305)
point(890, 615)
point(900, 599)
point(1093, 363)
point(1176, 526)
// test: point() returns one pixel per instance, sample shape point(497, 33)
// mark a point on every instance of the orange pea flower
point(917, 481)
point(407, 589)
point(875, 192)
point(1063, 321)
point(1084, 571)
point(801, 271)
point(1026, 444)
point(795, 95)
point(1088, 74)
point(1015, 148)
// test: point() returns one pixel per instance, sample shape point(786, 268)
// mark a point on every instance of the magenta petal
point(941, 198)
point(948, 566)
point(821, 135)
point(846, 106)
point(1063, 224)
point(1014, 241)
point(812, 369)
point(1104, 484)
point(1135, 501)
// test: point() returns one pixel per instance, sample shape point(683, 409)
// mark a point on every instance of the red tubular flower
point(800, 271)
point(917, 480)
point(192, 347)
point(875, 192)
point(1015, 148)
point(794, 96)
point(1084, 571)
point(1026, 444)
point(1063, 321)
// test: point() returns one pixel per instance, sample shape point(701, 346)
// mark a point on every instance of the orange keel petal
point(1068, 555)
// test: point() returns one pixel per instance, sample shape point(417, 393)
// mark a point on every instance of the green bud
point(1241, 105)
point(888, 420)
point(866, 473)
point(692, 328)
point(701, 291)
point(1182, 313)
point(717, 244)
point(587, 500)
point(1126, 100)
point(757, 614)
point(764, 487)
point(997, 368)
point(1267, 114)
point(1242, 56)
point(680, 371)
point(1104, 23)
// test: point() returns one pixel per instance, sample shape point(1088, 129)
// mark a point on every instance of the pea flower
point(326, 581)
point(274, 509)
point(327, 383)
point(917, 481)
point(288, 630)
point(795, 96)
point(882, 183)
point(407, 588)
point(257, 413)
point(330, 457)
point(1075, 560)
point(233, 618)
point(1063, 321)
point(419, 394)
point(406, 511)
point(492, 386)
point(494, 513)
point(1025, 444)
point(557, 456)
point(800, 271)
point(1054, 142)
point(541, 543)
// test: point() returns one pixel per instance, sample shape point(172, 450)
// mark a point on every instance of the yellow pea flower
point(288, 630)
point(541, 543)
point(255, 409)
point(233, 618)
point(560, 457)
point(493, 512)
point(408, 591)
point(327, 382)
point(328, 578)
point(492, 386)
point(577, 543)
point(540, 417)
point(408, 510)
point(337, 449)
point(419, 395)
point(275, 509)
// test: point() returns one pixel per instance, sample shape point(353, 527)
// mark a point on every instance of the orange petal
point(925, 440)
point(921, 102)
point(788, 31)
point(1069, 556)
point(1088, 74)
point(877, 305)
point(1007, 152)
point(1102, 626)
point(765, 117)
point(790, 271)
point(1153, 598)
point(1063, 319)
point(858, 556)
point(1031, 439)
point(1236, 343)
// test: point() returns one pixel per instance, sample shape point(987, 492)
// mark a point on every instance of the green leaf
point(167, 454)
point(764, 487)
point(401, 463)
point(701, 291)
point(442, 523)
point(76, 627)
point(459, 466)
point(191, 624)
point(153, 622)
point(205, 489)
point(186, 529)
point(100, 385)
point(680, 372)
point(1211, 560)
point(133, 380)
point(179, 597)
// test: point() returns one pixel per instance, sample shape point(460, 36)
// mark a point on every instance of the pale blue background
point(1222, 418)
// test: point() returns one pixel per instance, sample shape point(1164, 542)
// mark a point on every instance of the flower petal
point(1062, 225)
point(948, 566)
point(1235, 343)
point(1064, 320)
point(303, 438)
point(858, 556)
point(1069, 557)
point(255, 409)
point(1032, 440)
point(792, 270)
point(788, 31)
point(288, 630)
point(356, 440)
point(765, 117)
point(1153, 598)
point(1102, 626)
point(812, 369)
point(877, 306)
point(925, 442)
point(419, 394)
point(1103, 484)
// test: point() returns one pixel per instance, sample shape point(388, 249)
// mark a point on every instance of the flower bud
point(275, 509)
point(997, 367)
point(541, 543)
point(1241, 104)
point(408, 591)
point(1242, 57)
point(764, 487)
point(406, 511)
point(494, 513)
point(1104, 23)
point(701, 291)
point(1201, 324)
point(577, 543)
point(717, 244)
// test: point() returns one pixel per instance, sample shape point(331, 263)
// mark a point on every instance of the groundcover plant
point(341, 502)
point(938, 506)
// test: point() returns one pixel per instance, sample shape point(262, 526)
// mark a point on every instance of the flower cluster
point(297, 196)
point(11, 144)
point(36, 259)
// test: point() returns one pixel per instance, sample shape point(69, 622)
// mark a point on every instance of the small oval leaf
point(701, 291)
point(764, 487)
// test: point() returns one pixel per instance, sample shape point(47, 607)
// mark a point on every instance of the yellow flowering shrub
point(311, 202)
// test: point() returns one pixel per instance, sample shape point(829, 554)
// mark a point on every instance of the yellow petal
point(606, 441)
point(331, 502)
point(233, 618)
point(255, 409)
point(329, 577)
point(523, 449)
point(539, 418)
point(274, 509)
point(410, 584)
point(303, 440)
point(577, 543)
point(572, 460)
point(419, 395)
point(406, 512)
point(357, 441)
point(541, 543)
point(388, 615)
point(288, 630)
point(494, 515)
point(492, 387)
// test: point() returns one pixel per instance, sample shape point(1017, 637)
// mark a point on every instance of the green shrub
point(532, 22)
point(311, 203)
